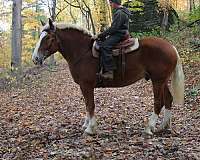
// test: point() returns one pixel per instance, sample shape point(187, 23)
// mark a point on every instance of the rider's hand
point(101, 36)
point(94, 37)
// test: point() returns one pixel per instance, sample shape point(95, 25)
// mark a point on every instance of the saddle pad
point(116, 52)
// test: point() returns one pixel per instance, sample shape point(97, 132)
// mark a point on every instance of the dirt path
point(42, 119)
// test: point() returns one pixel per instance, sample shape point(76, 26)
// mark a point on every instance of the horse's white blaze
point(167, 118)
point(35, 53)
point(91, 128)
point(151, 124)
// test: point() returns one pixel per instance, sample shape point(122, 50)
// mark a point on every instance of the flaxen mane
point(68, 26)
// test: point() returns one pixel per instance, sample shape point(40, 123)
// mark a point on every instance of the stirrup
point(108, 75)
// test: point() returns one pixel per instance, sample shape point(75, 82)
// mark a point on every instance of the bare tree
point(105, 15)
point(16, 36)
point(86, 12)
point(190, 2)
point(71, 14)
point(165, 4)
point(191, 5)
point(52, 11)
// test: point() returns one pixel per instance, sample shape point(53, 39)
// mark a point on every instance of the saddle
point(126, 46)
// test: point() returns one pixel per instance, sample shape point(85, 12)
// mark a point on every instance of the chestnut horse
point(155, 57)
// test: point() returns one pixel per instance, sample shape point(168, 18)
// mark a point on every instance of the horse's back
point(157, 44)
point(158, 56)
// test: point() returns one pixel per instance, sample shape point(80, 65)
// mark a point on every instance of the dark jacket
point(120, 23)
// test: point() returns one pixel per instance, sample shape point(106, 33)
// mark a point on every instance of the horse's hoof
point(167, 129)
point(90, 130)
point(161, 129)
point(85, 134)
point(164, 126)
point(149, 130)
point(84, 127)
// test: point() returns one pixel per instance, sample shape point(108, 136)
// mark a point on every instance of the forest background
point(20, 24)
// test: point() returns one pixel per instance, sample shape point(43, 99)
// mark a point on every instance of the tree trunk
point(51, 60)
point(190, 5)
point(71, 14)
point(193, 4)
point(103, 15)
point(165, 20)
point(16, 36)
point(90, 18)
point(92, 22)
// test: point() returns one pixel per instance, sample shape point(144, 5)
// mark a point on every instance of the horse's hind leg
point(90, 120)
point(158, 89)
point(167, 113)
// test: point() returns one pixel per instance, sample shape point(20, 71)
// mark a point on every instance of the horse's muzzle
point(37, 61)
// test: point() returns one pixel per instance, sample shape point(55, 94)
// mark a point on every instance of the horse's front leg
point(90, 124)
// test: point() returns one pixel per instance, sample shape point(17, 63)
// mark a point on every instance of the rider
point(113, 35)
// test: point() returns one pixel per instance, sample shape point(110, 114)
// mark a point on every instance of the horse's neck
point(72, 45)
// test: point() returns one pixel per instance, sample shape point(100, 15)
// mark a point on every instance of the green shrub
point(194, 15)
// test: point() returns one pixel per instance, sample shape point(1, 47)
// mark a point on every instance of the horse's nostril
point(35, 60)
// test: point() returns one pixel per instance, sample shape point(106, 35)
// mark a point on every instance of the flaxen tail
point(177, 82)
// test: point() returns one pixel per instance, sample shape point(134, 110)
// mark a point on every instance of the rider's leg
point(106, 52)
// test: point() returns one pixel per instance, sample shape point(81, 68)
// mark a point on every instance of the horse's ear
point(42, 22)
point(51, 24)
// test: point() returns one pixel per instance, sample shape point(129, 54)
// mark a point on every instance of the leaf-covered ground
point(41, 118)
